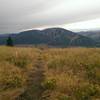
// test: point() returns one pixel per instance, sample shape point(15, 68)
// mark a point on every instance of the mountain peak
point(57, 37)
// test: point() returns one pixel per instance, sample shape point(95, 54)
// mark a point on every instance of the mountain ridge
point(57, 37)
point(92, 34)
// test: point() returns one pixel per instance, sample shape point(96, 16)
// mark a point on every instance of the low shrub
point(64, 97)
point(49, 84)
point(86, 92)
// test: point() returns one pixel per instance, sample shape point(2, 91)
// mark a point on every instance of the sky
point(75, 15)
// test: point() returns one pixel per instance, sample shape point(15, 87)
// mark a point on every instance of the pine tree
point(9, 41)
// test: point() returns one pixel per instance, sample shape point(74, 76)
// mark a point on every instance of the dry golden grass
point(49, 74)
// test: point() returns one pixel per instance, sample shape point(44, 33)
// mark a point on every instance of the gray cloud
point(17, 15)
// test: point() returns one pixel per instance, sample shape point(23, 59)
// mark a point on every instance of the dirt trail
point(36, 77)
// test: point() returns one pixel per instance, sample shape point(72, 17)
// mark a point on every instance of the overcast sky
point(18, 15)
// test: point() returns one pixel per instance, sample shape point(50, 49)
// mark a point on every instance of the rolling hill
point(92, 34)
point(57, 37)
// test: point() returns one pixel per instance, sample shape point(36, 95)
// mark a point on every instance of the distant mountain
point(57, 37)
point(95, 35)
point(91, 34)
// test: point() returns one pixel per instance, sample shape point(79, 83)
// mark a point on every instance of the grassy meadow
point(49, 73)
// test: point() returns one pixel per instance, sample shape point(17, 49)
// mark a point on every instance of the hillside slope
point(57, 37)
point(92, 34)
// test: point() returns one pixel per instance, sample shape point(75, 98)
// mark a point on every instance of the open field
point(49, 74)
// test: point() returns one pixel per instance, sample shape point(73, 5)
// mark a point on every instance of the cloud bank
point(17, 15)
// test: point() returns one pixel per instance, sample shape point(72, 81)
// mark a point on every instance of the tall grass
point(69, 74)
